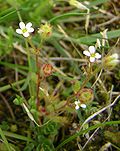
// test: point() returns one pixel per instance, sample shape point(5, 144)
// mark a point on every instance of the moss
point(113, 137)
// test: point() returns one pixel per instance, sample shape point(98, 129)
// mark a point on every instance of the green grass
point(48, 72)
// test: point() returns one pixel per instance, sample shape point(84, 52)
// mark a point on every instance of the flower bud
point(85, 96)
point(110, 62)
point(104, 37)
point(45, 30)
point(98, 44)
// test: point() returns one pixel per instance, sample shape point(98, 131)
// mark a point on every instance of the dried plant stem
point(89, 76)
point(98, 77)
point(92, 135)
point(109, 21)
point(66, 59)
point(65, 34)
point(8, 106)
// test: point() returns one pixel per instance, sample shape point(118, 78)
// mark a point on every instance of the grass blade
point(85, 131)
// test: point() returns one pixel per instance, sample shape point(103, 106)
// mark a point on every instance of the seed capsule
point(47, 69)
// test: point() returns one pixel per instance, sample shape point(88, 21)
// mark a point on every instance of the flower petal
point(22, 25)
point(92, 49)
point(76, 102)
point(92, 59)
point(30, 30)
point(28, 25)
point(97, 55)
point(83, 106)
point(114, 56)
point(87, 53)
point(19, 31)
point(26, 34)
point(77, 107)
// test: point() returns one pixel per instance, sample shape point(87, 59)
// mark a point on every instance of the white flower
point(25, 30)
point(78, 105)
point(91, 52)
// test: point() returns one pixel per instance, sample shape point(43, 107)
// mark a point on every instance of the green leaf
point(46, 147)
point(65, 15)
point(18, 100)
point(9, 86)
point(50, 128)
point(17, 136)
point(14, 66)
point(90, 39)
point(45, 144)
point(5, 140)
point(8, 14)
point(29, 147)
point(98, 2)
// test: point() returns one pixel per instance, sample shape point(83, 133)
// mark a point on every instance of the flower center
point(93, 55)
point(24, 30)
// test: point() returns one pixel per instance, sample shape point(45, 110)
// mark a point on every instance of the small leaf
point(18, 100)
point(29, 147)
